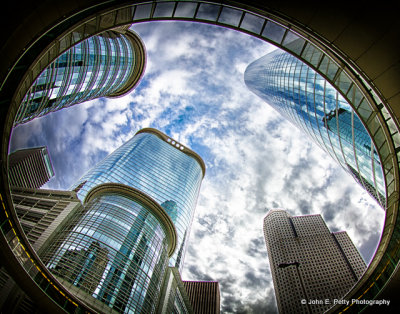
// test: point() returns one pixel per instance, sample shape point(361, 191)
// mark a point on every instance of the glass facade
point(99, 66)
point(310, 102)
point(159, 167)
point(115, 249)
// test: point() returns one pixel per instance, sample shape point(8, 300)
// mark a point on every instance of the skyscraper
point(162, 168)
point(174, 298)
point(308, 262)
point(106, 65)
point(138, 207)
point(30, 167)
point(114, 252)
point(306, 99)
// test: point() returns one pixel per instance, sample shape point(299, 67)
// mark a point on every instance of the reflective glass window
point(185, 9)
point(230, 16)
point(252, 23)
point(164, 9)
point(273, 32)
point(207, 12)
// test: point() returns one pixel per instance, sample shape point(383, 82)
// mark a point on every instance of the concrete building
point(30, 168)
point(310, 266)
point(41, 213)
point(204, 296)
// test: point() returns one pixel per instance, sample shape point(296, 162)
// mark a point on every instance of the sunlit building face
point(105, 65)
point(308, 100)
point(308, 262)
point(117, 247)
point(162, 169)
point(114, 250)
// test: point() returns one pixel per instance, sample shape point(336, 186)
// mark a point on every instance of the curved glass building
point(114, 249)
point(161, 168)
point(109, 64)
point(306, 99)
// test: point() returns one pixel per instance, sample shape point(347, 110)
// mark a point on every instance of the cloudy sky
point(193, 90)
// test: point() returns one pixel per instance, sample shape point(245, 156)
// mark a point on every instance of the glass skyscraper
point(113, 252)
point(306, 99)
point(138, 208)
point(109, 64)
point(160, 167)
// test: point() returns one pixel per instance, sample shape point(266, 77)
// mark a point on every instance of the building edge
point(140, 62)
point(179, 146)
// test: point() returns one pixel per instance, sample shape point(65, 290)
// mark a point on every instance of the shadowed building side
point(30, 168)
point(41, 213)
point(204, 296)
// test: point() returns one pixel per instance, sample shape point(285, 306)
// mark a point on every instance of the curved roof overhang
point(354, 47)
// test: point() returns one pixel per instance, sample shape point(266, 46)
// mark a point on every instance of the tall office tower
point(113, 253)
point(308, 100)
point(160, 167)
point(308, 262)
point(106, 65)
point(138, 207)
point(30, 168)
point(204, 296)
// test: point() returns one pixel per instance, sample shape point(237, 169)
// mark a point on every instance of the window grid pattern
point(351, 252)
point(159, 169)
point(30, 168)
point(115, 250)
point(35, 215)
point(204, 296)
point(96, 67)
point(306, 99)
point(324, 270)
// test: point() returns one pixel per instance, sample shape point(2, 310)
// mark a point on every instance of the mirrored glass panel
point(230, 16)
